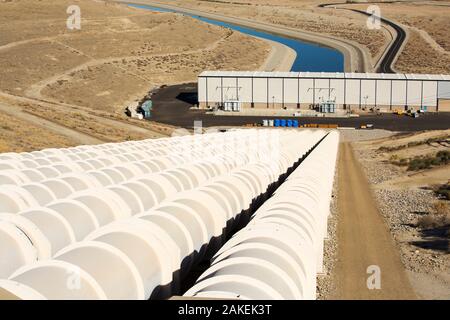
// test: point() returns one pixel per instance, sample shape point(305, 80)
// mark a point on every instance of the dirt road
point(364, 240)
point(76, 136)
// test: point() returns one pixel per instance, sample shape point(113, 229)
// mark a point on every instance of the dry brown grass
point(21, 136)
point(303, 15)
point(439, 218)
point(119, 55)
point(109, 85)
point(88, 124)
point(428, 48)
point(419, 57)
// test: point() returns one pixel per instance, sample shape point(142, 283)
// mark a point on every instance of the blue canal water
point(310, 57)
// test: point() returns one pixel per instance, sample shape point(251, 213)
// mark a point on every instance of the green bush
point(426, 162)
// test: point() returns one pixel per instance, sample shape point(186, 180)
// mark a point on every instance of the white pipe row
point(280, 252)
point(52, 227)
point(40, 185)
point(144, 256)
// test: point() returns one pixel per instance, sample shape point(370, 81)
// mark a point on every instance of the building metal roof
point(326, 75)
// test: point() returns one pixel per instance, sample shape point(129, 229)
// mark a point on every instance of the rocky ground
point(325, 284)
point(353, 135)
point(425, 256)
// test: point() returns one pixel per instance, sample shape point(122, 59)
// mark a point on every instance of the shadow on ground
point(435, 238)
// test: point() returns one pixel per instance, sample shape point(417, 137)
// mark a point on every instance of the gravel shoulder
point(364, 240)
point(326, 286)
point(402, 200)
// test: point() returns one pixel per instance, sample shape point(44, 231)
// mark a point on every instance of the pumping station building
point(322, 91)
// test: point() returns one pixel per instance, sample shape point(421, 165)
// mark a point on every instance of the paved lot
point(172, 106)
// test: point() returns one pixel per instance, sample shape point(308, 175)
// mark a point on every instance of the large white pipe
point(281, 249)
point(191, 219)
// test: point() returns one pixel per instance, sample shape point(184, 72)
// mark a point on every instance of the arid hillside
point(427, 22)
point(410, 178)
point(427, 49)
point(83, 79)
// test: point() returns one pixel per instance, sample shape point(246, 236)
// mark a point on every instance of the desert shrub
point(443, 191)
point(443, 156)
point(426, 162)
point(420, 163)
point(439, 218)
point(414, 143)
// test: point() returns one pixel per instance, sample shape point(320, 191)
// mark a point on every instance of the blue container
point(282, 123)
point(295, 123)
point(276, 123)
point(289, 123)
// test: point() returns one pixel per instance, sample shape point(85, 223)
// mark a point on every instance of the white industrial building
point(233, 90)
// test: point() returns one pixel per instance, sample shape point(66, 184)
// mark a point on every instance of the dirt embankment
point(365, 246)
point(337, 28)
point(427, 49)
point(85, 78)
point(408, 201)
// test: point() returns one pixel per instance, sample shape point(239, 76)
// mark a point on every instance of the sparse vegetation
point(20, 136)
point(414, 144)
point(443, 191)
point(438, 219)
point(423, 161)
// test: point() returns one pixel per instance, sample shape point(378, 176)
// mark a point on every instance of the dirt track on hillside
point(76, 136)
point(364, 239)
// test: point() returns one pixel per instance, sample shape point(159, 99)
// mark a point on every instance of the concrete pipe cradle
point(12, 177)
point(209, 210)
point(129, 196)
point(259, 269)
point(78, 215)
point(55, 280)
point(196, 227)
point(150, 248)
point(104, 203)
point(295, 215)
point(63, 163)
point(53, 226)
point(12, 290)
point(41, 193)
point(271, 253)
point(179, 233)
point(14, 199)
point(60, 188)
point(279, 236)
point(290, 222)
point(15, 249)
point(112, 269)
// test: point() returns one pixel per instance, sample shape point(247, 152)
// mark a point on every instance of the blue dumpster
point(289, 123)
point(282, 123)
point(276, 123)
point(295, 123)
